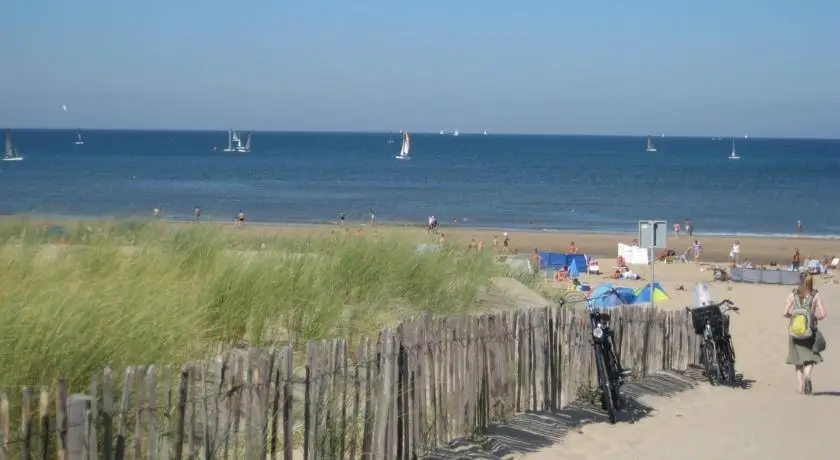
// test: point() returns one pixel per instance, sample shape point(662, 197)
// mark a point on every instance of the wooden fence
point(422, 384)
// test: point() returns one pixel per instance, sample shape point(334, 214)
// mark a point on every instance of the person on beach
point(803, 354)
point(572, 249)
point(676, 229)
point(240, 218)
point(506, 243)
point(341, 218)
point(372, 217)
point(735, 254)
point(495, 243)
point(799, 227)
point(698, 251)
point(689, 228)
point(535, 261)
point(796, 260)
point(197, 214)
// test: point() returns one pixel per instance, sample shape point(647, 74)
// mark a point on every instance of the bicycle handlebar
point(726, 303)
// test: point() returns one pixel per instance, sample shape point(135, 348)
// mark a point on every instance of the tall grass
point(135, 293)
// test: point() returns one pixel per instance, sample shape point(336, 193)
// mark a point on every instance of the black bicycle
point(611, 376)
point(717, 354)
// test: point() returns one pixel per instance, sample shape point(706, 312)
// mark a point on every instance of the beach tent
point(573, 270)
point(626, 294)
point(655, 291)
point(603, 297)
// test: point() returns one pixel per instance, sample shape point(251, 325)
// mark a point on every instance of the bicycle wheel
point(712, 370)
point(727, 365)
point(615, 370)
point(607, 399)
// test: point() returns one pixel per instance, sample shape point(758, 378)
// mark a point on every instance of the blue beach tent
point(602, 297)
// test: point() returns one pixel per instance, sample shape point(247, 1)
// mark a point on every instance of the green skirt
point(800, 352)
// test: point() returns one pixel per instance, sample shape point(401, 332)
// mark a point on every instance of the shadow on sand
point(826, 393)
point(533, 431)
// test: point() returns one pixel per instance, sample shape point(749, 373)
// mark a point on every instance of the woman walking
point(804, 353)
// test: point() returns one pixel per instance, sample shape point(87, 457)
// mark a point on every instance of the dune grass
point(125, 293)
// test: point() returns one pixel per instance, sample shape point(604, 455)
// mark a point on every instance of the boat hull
point(13, 159)
point(404, 158)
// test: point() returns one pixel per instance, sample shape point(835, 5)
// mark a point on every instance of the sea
point(524, 182)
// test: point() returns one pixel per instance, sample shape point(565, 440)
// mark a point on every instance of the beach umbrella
point(573, 270)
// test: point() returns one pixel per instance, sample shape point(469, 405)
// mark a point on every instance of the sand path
point(767, 421)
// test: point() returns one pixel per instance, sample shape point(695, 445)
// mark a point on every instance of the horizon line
point(437, 133)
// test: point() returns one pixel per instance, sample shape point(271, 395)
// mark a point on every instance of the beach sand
point(716, 249)
point(767, 421)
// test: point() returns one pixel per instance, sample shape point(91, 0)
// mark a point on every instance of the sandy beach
point(715, 248)
point(761, 250)
point(767, 421)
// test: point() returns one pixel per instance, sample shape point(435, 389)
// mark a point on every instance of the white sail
point(734, 154)
point(650, 147)
point(406, 147)
point(247, 147)
point(10, 153)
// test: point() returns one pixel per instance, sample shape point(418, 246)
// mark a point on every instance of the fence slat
point(423, 383)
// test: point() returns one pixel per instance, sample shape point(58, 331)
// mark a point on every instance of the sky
point(680, 67)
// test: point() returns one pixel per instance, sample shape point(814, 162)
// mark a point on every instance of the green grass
point(125, 293)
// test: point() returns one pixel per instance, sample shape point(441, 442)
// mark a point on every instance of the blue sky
point(764, 67)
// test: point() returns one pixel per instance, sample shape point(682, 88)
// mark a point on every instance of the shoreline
point(760, 250)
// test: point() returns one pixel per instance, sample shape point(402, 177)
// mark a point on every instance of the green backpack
point(802, 316)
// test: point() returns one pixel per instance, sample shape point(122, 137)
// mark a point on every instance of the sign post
point(653, 235)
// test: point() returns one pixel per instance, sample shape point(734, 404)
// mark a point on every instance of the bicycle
point(611, 376)
point(717, 354)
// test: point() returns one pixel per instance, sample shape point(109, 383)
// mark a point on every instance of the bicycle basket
point(700, 315)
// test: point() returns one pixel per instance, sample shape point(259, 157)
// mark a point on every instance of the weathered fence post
point(78, 410)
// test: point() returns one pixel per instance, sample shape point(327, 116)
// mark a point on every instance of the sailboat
point(485, 132)
point(79, 140)
point(650, 146)
point(247, 147)
point(10, 153)
point(441, 132)
point(406, 146)
point(390, 137)
point(234, 142)
point(456, 132)
point(734, 155)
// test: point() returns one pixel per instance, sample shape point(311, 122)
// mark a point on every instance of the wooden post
point(78, 410)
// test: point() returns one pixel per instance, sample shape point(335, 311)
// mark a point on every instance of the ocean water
point(591, 183)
